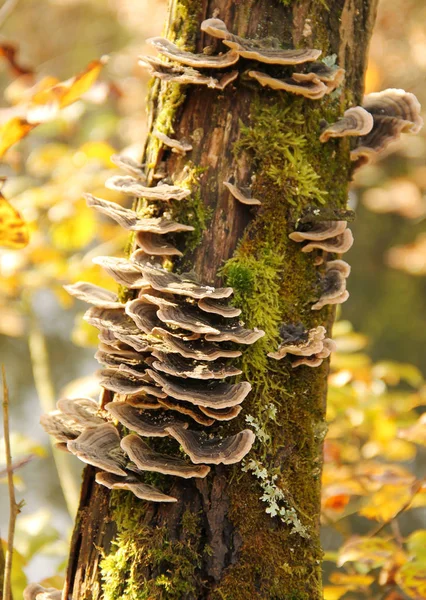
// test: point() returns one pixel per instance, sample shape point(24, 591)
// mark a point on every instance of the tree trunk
point(217, 542)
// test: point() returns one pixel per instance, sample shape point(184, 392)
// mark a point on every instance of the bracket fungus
point(242, 195)
point(356, 121)
point(313, 89)
point(34, 591)
point(147, 459)
point(177, 146)
point(198, 61)
point(214, 451)
point(131, 166)
point(329, 236)
point(265, 51)
point(299, 341)
point(333, 284)
point(165, 353)
point(394, 112)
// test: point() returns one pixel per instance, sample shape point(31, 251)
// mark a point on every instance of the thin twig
point(15, 508)
point(18, 464)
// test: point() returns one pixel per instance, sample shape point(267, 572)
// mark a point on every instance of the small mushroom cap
point(137, 341)
point(211, 395)
point(100, 446)
point(144, 422)
point(272, 56)
point(198, 61)
point(299, 341)
point(62, 427)
point(396, 103)
point(331, 76)
point(154, 245)
point(187, 409)
point(319, 230)
point(179, 146)
point(355, 121)
point(216, 28)
point(121, 270)
point(143, 313)
point(176, 365)
point(123, 382)
point(198, 350)
point(164, 281)
point(134, 484)
point(340, 243)
point(335, 300)
point(113, 357)
point(236, 333)
point(147, 459)
point(202, 449)
point(240, 196)
point(133, 187)
point(314, 90)
point(130, 165)
point(130, 220)
point(93, 294)
point(309, 361)
point(223, 414)
point(219, 308)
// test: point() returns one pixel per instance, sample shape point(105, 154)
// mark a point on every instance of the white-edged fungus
point(163, 281)
point(202, 449)
point(319, 230)
point(187, 409)
point(333, 285)
point(147, 459)
point(198, 61)
point(189, 318)
point(131, 166)
point(144, 422)
point(143, 313)
point(123, 271)
point(236, 333)
point(155, 245)
point(313, 90)
point(176, 365)
point(93, 294)
point(133, 483)
point(114, 319)
point(299, 341)
point(218, 307)
point(133, 187)
point(34, 591)
point(177, 146)
point(241, 195)
point(339, 244)
point(356, 121)
point(197, 350)
point(100, 446)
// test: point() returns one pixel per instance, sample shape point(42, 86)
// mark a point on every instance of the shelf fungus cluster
point(34, 591)
point(202, 69)
point(309, 346)
point(166, 355)
point(381, 119)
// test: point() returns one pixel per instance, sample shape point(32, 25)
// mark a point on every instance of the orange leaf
point(13, 131)
point(13, 229)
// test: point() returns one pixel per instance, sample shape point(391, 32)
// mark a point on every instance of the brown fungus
point(218, 307)
point(319, 230)
point(176, 365)
point(133, 483)
point(313, 90)
point(93, 294)
point(83, 411)
point(339, 244)
point(203, 449)
point(147, 459)
point(133, 187)
point(154, 245)
point(211, 394)
point(34, 591)
point(129, 219)
point(236, 333)
point(163, 281)
point(143, 422)
point(143, 313)
point(333, 286)
point(188, 318)
point(241, 195)
point(315, 360)
point(185, 75)
point(261, 50)
point(338, 265)
point(187, 409)
point(299, 341)
point(394, 112)
point(61, 427)
point(198, 349)
point(177, 146)
point(100, 446)
point(356, 121)
point(198, 61)
point(332, 77)
point(114, 319)
point(222, 414)
point(126, 163)
point(121, 382)
point(121, 270)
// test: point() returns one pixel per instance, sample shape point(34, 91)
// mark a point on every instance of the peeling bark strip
point(217, 542)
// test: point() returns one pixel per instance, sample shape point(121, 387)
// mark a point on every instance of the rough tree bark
point(217, 541)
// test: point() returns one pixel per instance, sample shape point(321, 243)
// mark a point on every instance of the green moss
point(144, 563)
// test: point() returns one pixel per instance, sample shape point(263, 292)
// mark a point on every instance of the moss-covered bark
point(218, 542)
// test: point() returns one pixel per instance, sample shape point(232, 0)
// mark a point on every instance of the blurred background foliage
point(374, 520)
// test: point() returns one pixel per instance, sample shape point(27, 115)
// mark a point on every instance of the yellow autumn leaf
point(370, 552)
point(14, 231)
point(351, 580)
point(66, 92)
point(411, 578)
point(75, 231)
point(12, 131)
point(384, 504)
point(416, 544)
point(100, 151)
point(334, 592)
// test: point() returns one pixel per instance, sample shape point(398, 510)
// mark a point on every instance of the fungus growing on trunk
point(177, 146)
point(134, 484)
point(356, 121)
point(242, 195)
point(133, 187)
point(131, 166)
point(314, 89)
point(199, 61)
point(176, 365)
point(213, 451)
point(121, 270)
point(100, 446)
point(93, 294)
point(333, 286)
point(147, 459)
point(153, 245)
point(34, 591)
point(299, 341)
point(144, 422)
